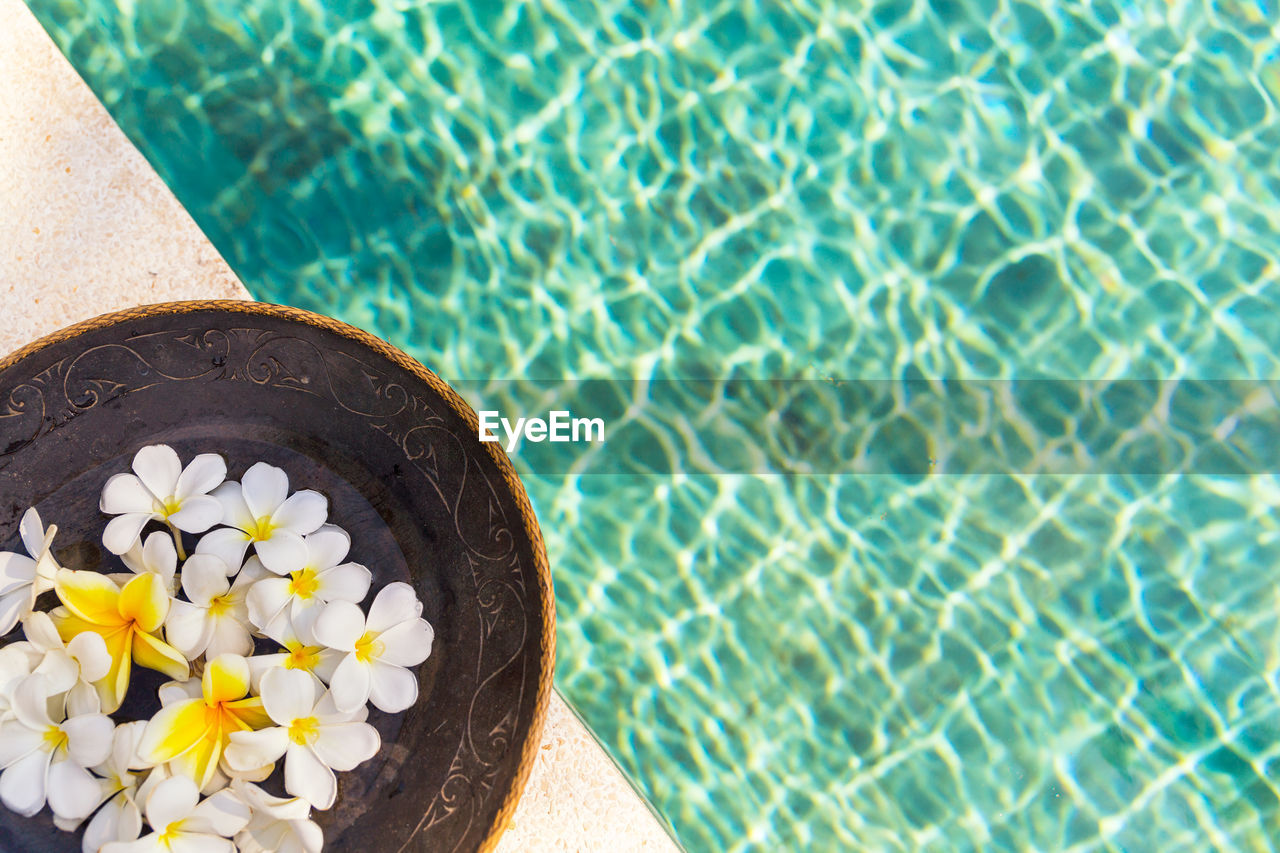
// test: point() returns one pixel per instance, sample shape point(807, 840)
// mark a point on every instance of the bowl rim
point(398, 357)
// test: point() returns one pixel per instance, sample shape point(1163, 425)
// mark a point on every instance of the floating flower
point(277, 824)
point(158, 556)
point(297, 652)
point(216, 619)
point(161, 489)
point(23, 579)
point(120, 817)
point(261, 511)
point(184, 823)
point(43, 757)
point(193, 733)
point(126, 619)
point(322, 578)
point(312, 735)
point(71, 668)
point(378, 649)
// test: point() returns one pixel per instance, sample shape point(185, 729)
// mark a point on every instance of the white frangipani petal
point(18, 741)
point(16, 571)
point(88, 738)
point(118, 820)
point(125, 493)
point(391, 688)
point(265, 489)
point(30, 702)
point(73, 790)
point(157, 555)
point(83, 698)
point(22, 784)
point(187, 629)
point(202, 475)
point(13, 606)
point(227, 544)
point(306, 776)
point(179, 691)
point(351, 684)
point(31, 531)
point(347, 582)
point(204, 578)
point(90, 651)
point(38, 628)
point(288, 694)
point(221, 814)
point(303, 513)
point(171, 801)
point(339, 625)
point(248, 751)
point(235, 511)
point(197, 514)
point(327, 546)
point(158, 467)
point(229, 636)
point(123, 531)
point(267, 601)
point(407, 643)
point(283, 552)
point(394, 603)
point(344, 746)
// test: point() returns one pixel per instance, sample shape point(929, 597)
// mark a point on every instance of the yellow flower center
point(170, 833)
point(304, 583)
point(302, 657)
point(261, 529)
point(304, 730)
point(56, 738)
point(368, 647)
point(170, 506)
point(220, 605)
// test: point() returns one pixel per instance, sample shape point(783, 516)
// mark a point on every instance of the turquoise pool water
point(999, 659)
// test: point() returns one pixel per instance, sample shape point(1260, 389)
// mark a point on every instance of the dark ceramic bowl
point(395, 450)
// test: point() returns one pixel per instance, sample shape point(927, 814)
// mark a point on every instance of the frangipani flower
point(70, 668)
point(378, 649)
point(120, 818)
point(313, 736)
point(216, 620)
point(320, 580)
point(157, 556)
point(43, 757)
point(184, 823)
point(127, 620)
point(277, 824)
point(161, 489)
point(297, 652)
point(261, 511)
point(192, 733)
point(24, 579)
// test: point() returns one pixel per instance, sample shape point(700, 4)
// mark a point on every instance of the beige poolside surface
point(86, 226)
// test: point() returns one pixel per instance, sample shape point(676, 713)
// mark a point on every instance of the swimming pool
point(1011, 657)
